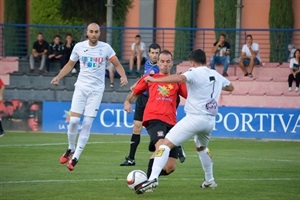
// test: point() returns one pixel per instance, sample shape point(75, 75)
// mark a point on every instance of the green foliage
point(15, 13)
point(120, 11)
point(48, 12)
point(225, 17)
point(184, 38)
point(95, 11)
point(87, 11)
point(281, 16)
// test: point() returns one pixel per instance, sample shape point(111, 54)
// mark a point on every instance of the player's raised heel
point(72, 164)
point(66, 156)
point(211, 184)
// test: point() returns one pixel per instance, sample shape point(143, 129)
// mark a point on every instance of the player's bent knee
point(137, 129)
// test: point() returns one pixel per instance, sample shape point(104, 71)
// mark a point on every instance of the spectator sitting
point(249, 56)
point(39, 51)
point(138, 55)
point(111, 73)
point(221, 51)
point(291, 51)
point(68, 47)
point(295, 71)
point(56, 51)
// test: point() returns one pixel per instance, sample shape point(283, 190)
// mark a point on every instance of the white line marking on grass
point(167, 179)
point(57, 144)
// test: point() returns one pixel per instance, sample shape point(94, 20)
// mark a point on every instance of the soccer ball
point(135, 178)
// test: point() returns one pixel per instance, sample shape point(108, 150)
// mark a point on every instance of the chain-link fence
point(17, 39)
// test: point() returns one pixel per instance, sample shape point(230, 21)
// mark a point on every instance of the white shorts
point(86, 102)
point(197, 126)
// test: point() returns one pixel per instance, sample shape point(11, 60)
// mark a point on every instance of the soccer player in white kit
point(89, 87)
point(204, 89)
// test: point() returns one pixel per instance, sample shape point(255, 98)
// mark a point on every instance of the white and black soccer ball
point(135, 178)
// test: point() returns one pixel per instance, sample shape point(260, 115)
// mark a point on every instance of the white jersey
point(92, 64)
point(204, 88)
point(254, 47)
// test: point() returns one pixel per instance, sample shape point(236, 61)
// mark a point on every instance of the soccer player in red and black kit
point(151, 67)
point(160, 112)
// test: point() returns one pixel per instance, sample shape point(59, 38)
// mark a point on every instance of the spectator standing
point(56, 52)
point(295, 71)
point(250, 56)
point(39, 51)
point(138, 55)
point(221, 54)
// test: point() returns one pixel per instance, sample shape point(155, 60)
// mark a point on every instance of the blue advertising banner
point(233, 122)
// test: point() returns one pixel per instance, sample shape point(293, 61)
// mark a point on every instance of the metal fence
point(17, 39)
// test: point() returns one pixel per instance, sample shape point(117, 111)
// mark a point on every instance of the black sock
point(134, 143)
point(1, 128)
point(150, 164)
point(163, 173)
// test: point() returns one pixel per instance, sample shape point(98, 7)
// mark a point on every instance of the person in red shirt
point(160, 112)
point(2, 88)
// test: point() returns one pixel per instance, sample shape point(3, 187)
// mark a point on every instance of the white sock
point(207, 164)
point(160, 160)
point(83, 136)
point(72, 132)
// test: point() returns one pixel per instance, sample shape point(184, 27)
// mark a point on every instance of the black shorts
point(140, 106)
point(158, 130)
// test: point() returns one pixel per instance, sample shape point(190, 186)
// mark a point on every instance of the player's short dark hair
point(154, 46)
point(55, 36)
point(198, 56)
point(166, 52)
point(223, 34)
point(138, 36)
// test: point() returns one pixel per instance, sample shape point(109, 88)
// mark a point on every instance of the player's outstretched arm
point(120, 70)
point(64, 71)
point(167, 79)
point(127, 103)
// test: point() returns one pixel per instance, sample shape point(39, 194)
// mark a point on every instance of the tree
point(95, 11)
point(15, 37)
point(281, 16)
point(225, 18)
point(183, 37)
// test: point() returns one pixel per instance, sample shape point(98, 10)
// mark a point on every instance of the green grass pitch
point(243, 169)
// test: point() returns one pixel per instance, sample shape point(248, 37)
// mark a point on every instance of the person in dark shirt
point(39, 52)
point(56, 52)
point(221, 54)
point(68, 47)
